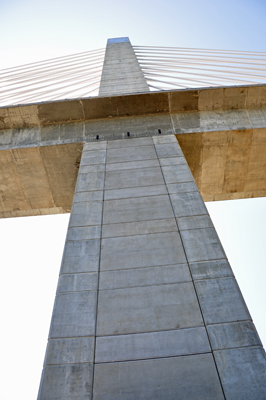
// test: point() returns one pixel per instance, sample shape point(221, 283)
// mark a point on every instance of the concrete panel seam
point(131, 287)
point(151, 358)
point(97, 299)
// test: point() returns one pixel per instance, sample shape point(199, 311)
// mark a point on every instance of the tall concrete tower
point(147, 306)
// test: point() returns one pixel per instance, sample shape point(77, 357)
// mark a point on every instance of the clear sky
point(31, 248)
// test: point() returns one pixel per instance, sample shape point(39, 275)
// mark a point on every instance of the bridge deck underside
point(41, 180)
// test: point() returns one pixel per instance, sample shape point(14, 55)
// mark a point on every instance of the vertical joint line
point(190, 270)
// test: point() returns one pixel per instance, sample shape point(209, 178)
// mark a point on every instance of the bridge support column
point(147, 306)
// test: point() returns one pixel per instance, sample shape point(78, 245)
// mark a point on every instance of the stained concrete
point(70, 351)
point(75, 256)
point(221, 300)
point(242, 372)
point(86, 213)
point(188, 204)
point(68, 382)
point(74, 315)
point(233, 334)
point(202, 244)
point(78, 282)
point(210, 269)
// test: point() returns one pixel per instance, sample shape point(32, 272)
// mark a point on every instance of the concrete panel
point(242, 372)
point(87, 182)
point(87, 169)
point(88, 196)
point(93, 157)
point(152, 308)
point(202, 244)
point(132, 165)
point(182, 187)
point(133, 178)
point(172, 161)
point(70, 351)
point(196, 222)
point(87, 213)
point(146, 276)
point(190, 377)
point(131, 154)
point(74, 315)
point(142, 251)
point(84, 233)
point(116, 144)
point(164, 139)
point(66, 382)
point(168, 150)
point(188, 204)
point(81, 256)
point(177, 173)
point(233, 334)
point(152, 345)
point(78, 282)
point(95, 146)
point(135, 192)
point(137, 209)
point(139, 228)
point(210, 269)
point(221, 301)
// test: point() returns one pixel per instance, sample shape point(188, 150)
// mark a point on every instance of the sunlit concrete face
point(38, 180)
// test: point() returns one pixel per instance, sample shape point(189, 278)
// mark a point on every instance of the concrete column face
point(147, 306)
point(121, 71)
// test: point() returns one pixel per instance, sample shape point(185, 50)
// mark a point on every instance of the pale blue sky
point(31, 248)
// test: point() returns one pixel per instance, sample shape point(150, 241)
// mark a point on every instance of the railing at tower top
point(165, 68)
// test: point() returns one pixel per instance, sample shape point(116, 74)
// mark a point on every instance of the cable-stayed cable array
point(60, 78)
point(167, 68)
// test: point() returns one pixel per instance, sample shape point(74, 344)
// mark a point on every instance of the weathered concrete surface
point(233, 334)
point(68, 382)
point(242, 372)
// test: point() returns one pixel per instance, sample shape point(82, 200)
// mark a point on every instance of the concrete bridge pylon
point(147, 306)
